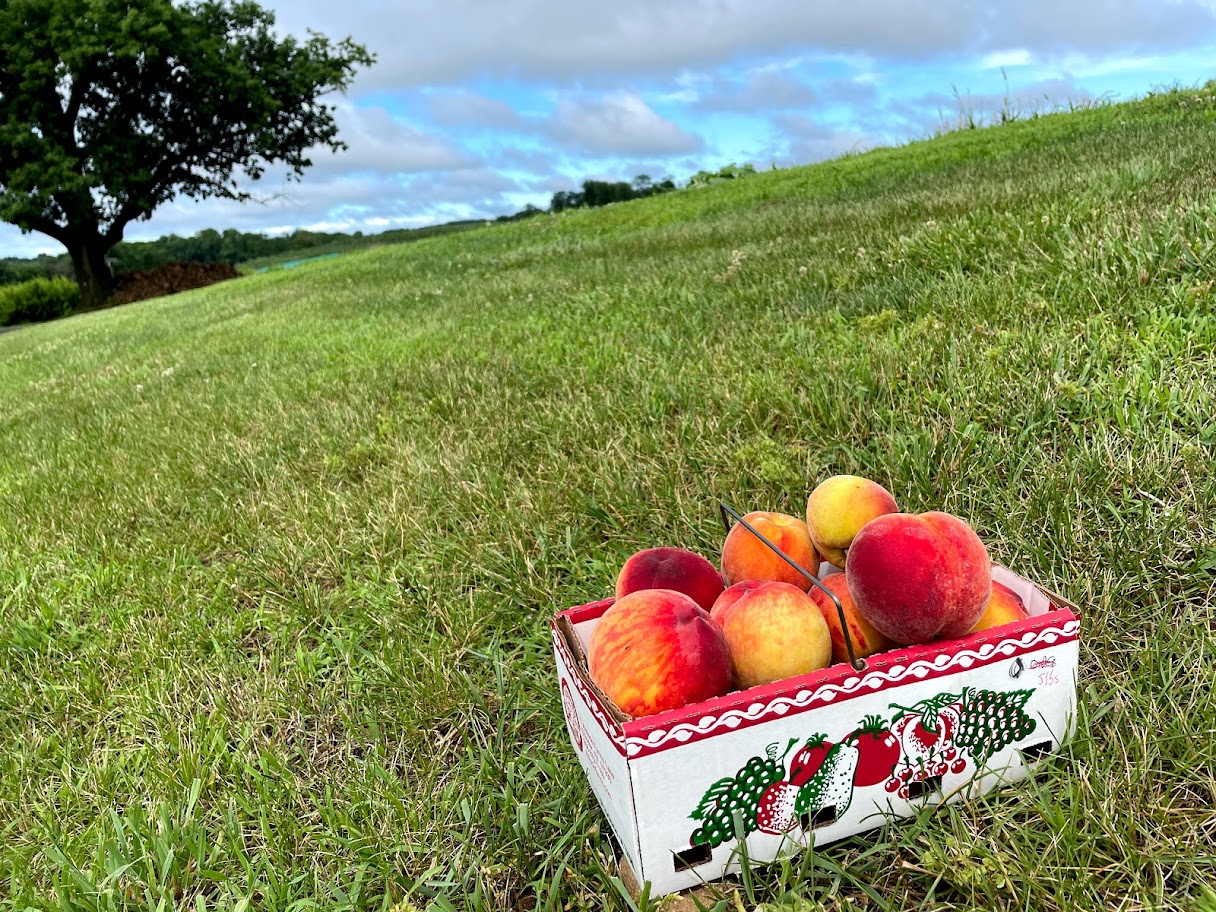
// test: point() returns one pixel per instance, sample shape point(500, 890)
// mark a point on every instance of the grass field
point(349, 244)
point(277, 558)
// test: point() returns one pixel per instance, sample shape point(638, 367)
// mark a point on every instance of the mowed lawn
point(278, 558)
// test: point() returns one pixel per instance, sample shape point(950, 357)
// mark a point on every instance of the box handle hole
point(1032, 753)
point(924, 787)
point(690, 858)
point(821, 818)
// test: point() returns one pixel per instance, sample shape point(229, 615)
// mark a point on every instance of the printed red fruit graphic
point(879, 752)
point(775, 812)
point(807, 761)
point(927, 728)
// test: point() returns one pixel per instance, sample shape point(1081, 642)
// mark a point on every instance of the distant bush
point(37, 300)
point(730, 172)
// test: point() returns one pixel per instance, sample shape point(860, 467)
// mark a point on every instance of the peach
point(728, 598)
point(775, 631)
point(657, 649)
point(1004, 607)
point(838, 508)
point(919, 577)
point(866, 640)
point(671, 568)
point(744, 557)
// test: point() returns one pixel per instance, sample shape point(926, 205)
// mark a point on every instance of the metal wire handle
point(728, 513)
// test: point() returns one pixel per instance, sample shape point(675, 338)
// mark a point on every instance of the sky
point(476, 108)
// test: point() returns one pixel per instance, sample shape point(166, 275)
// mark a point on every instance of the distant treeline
point(210, 246)
point(237, 248)
point(595, 193)
point(601, 193)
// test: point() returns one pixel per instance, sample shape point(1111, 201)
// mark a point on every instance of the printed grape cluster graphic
point(729, 800)
point(990, 720)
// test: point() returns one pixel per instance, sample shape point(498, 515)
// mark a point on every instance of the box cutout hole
point(690, 858)
point(821, 818)
point(924, 787)
point(1032, 753)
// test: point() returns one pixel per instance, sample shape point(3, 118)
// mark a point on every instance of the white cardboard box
point(949, 719)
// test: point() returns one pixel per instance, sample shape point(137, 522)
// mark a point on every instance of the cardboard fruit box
point(776, 766)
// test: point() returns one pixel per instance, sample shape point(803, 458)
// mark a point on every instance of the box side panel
point(600, 751)
point(939, 739)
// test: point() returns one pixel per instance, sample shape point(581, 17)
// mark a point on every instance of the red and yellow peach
point(730, 596)
point(1004, 607)
point(866, 640)
point(919, 577)
point(671, 568)
point(775, 631)
point(838, 509)
point(657, 649)
point(744, 557)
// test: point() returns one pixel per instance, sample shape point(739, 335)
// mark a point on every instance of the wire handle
point(728, 513)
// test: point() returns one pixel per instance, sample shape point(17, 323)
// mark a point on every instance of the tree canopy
point(601, 193)
point(110, 108)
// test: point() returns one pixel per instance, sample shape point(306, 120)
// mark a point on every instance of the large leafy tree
point(109, 108)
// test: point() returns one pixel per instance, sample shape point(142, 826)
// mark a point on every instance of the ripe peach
point(775, 631)
point(657, 649)
point(728, 598)
point(838, 508)
point(919, 577)
point(866, 640)
point(1004, 607)
point(671, 568)
point(744, 557)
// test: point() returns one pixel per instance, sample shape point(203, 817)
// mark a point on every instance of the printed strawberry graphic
point(807, 761)
point(775, 813)
point(729, 808)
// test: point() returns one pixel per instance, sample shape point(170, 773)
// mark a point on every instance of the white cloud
point(806, 140)
point(379, 142)
point(464, 108)
point(767, 89)
point(998, 60)
point(620, 123)
point(1087, 66)
point(436, 42)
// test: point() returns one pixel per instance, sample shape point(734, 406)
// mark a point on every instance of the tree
point(565, 199)
point(110, 108)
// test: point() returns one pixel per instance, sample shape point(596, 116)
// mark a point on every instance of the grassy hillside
point(277, 557)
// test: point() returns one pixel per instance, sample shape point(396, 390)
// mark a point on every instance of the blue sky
point(477, 108)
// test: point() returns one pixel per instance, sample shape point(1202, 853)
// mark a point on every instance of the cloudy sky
point(478, 107)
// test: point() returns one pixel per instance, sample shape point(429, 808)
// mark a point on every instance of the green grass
point(343, 244)
point(277, 558)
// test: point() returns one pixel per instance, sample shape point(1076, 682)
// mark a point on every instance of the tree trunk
point(93, 273)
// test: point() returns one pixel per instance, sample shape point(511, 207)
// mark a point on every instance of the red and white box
point(825, 755)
